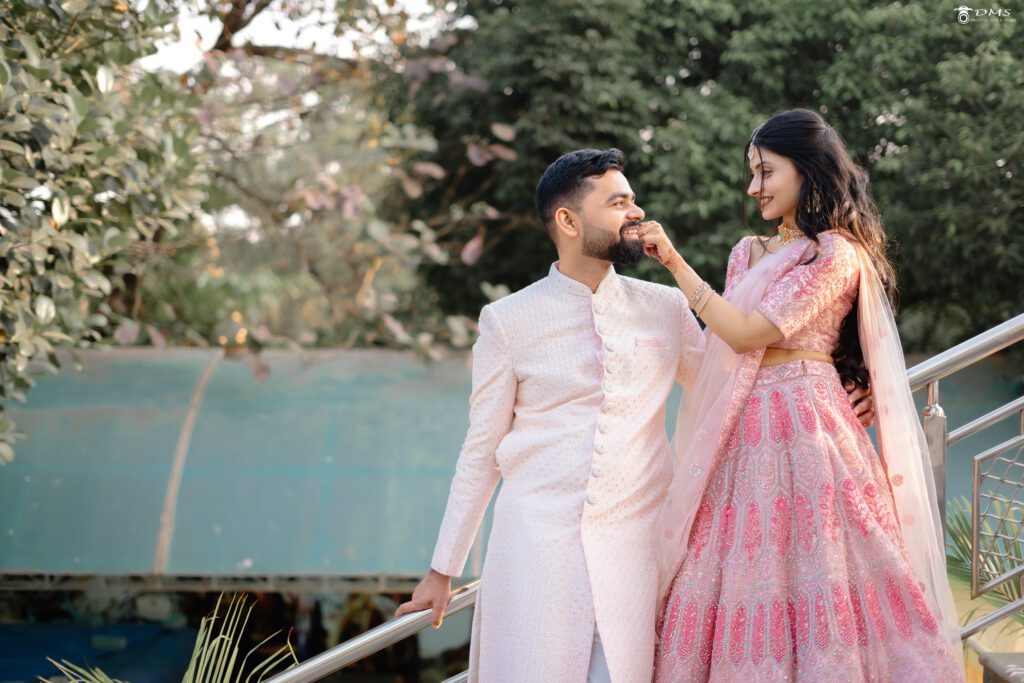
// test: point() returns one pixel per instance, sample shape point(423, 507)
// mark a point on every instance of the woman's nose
point(754, 189)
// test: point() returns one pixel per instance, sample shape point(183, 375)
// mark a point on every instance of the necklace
point(788, 234)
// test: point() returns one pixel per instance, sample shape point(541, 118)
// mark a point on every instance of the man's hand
point(863, 404)
point(432, 593)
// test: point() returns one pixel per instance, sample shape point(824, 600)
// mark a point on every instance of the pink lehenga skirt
point(796, 570)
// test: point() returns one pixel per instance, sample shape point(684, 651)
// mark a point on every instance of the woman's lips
point(765, 202)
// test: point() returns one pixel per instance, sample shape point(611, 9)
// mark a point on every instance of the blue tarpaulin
point(337, 464)
point(177, 462)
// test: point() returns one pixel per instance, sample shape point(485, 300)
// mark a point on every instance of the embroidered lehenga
point(795, 566)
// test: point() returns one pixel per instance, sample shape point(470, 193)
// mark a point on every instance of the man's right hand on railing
point(432, 593)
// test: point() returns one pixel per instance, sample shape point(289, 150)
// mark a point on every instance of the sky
point(199, 33)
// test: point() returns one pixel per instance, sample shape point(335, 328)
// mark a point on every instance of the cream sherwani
point(568, 410)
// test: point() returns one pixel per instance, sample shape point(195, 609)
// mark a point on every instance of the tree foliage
point(930, 107)
point(302, 163)
point(97, 179)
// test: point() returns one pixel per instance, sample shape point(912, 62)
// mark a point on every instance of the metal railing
point(921, 376)
point(374, 640)
point(997, 482)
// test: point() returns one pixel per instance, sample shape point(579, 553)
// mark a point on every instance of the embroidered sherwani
point(568, 410)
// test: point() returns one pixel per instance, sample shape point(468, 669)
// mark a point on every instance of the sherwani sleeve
point(491, 408)
point(691, 348)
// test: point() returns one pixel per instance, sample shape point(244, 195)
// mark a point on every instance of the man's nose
point(636, 213)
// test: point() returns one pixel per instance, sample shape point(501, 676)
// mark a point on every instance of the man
point(570, 380)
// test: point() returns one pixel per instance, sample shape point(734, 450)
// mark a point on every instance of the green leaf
point(31, 49)
point(60, 210)
point(105, 79)
point(11, 146)
point(96, 280)
point(45, 309)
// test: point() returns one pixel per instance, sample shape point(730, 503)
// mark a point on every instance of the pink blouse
point(808, 304)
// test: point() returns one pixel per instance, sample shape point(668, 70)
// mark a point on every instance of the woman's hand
point(658, 245)
point(863, 403)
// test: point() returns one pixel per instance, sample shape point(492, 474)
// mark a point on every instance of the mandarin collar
point(577, 288)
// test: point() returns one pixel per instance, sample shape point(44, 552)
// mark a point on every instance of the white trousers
point(598, 665)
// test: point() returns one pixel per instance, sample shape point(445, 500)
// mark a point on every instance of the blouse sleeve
point(806, 291)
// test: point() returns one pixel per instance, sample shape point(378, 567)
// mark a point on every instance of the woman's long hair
point(833, 196)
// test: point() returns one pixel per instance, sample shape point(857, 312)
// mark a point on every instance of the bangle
point(704, 304)
point(696, 295)
point(700, 295)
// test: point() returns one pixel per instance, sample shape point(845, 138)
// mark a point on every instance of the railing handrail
point(921, 375)
point(374, 640)
point(966, 353)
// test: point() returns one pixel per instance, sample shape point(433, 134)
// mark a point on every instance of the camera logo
point(965, 14)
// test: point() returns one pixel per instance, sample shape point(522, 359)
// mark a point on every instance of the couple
point(770, 541)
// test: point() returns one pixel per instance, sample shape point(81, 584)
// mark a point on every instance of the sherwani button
point(600, 448)
point(591, 498)
point(596, 471)
point(602, 427)
point(610, 346)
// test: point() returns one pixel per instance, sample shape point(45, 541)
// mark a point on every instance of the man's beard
point(622, 251)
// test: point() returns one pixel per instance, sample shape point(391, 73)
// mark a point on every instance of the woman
point(791, 549)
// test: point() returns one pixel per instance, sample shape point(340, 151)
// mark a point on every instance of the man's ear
point(567, 223)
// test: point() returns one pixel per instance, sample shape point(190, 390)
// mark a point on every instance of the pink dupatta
point(711, 409)
point(904, 450)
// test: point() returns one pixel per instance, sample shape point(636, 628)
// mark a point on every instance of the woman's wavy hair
point(833, 196)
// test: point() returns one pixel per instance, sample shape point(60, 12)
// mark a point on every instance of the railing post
point(936, 432)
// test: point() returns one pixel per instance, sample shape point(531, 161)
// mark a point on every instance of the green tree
point(927, 105)
point(97, 176)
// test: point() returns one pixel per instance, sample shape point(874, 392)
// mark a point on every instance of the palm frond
point(959, 549)
point(216, 652)
point(76, 674)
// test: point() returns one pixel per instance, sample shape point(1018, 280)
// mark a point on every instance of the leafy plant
point(959, 549)
point(217, 652)
point(97, 175)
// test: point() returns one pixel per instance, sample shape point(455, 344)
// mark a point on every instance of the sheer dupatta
point(709, 411)
point(904, 451)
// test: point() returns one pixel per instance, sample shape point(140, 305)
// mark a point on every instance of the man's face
point(606, 212)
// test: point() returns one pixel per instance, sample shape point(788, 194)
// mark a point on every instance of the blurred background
point(243, 246)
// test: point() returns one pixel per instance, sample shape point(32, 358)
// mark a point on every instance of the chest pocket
point(651, 344)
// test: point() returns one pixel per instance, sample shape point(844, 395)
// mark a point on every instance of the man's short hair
point(567, 180)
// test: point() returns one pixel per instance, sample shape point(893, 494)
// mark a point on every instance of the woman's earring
point(814, 202)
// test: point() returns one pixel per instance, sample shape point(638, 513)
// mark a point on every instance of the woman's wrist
point(677, 266)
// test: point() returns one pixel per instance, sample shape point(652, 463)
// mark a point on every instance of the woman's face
point(775, 184)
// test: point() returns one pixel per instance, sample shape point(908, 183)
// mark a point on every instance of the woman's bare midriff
point(777, 356)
